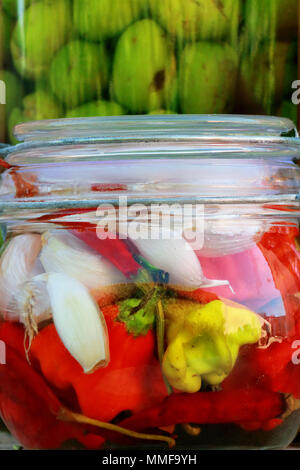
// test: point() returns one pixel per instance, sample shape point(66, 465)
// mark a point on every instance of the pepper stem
point(160, 335)
point(191, 430)
point(67, 415)
point(292, 404)
point(158, 276)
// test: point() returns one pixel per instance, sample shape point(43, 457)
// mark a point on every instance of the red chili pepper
point(260, 366)
point(28, 406)
point(115, 250)
point(272, 367)
point(132, 380)
point(210, 408)
point(276, 364)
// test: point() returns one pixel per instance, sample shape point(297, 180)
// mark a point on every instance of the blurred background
point(72, 58)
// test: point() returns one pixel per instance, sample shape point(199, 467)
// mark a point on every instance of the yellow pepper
point(203, 341)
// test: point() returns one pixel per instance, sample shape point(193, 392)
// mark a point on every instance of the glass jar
point(149, 283)
point(75, 58)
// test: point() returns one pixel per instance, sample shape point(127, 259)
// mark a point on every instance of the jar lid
point(212, 159)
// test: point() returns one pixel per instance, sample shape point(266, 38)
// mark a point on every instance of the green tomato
point(6, 27)
point(207, 78)
point(36, 106)
point(39, 33)
point(101, 19)
point(41, 105)
point(144, 68)
point(201, 19)
point(79, 73)
point(96, 108)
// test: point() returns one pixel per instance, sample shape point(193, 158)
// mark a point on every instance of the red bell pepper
point(132, 380)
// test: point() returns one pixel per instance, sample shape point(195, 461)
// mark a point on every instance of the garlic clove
point(16, 265)
point(78, 321)
point(176, 257)
point(33, 302)
point(31, 306)
point(229, 237)
point(64, 253)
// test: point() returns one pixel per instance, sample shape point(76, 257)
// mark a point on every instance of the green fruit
point(265, 78)
point(101, 19)
point(97, 108)
point(41, 105)
point(36, 106)
point(207, 78)
point(144, 69)
point(6, 26)
point(198, 19)
point(270, 18)
point(79, 73)
point(13, 90)
point(38, 35)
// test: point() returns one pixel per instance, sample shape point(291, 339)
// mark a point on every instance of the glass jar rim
point(212, 159)
point(156, 127)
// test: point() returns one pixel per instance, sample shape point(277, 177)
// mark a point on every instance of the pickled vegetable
point(214, 360)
